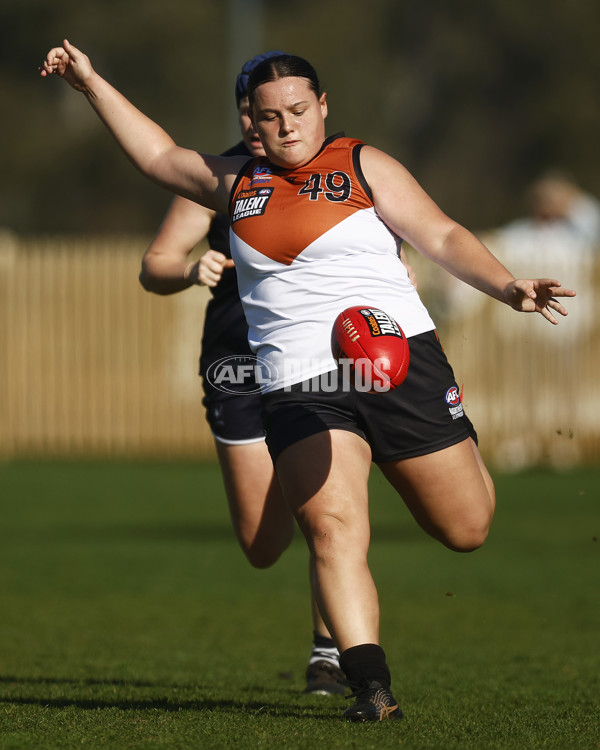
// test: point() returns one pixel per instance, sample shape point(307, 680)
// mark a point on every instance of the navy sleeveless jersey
point(225, 327)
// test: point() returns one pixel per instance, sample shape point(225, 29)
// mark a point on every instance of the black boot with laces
point(370, 680)
point(374, 702)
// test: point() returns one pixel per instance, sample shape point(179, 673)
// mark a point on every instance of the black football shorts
point(423, 415)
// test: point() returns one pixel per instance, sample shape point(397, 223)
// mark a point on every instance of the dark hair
point(283, 66)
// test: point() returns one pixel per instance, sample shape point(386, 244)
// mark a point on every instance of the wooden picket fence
point(92, 366)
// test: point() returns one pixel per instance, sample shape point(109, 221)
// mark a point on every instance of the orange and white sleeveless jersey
point(308, 243)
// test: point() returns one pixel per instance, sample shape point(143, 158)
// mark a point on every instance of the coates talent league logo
point(252, 202)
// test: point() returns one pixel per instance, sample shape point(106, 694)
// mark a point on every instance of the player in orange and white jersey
point(323, 442)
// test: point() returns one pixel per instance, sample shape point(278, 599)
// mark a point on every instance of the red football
point(370, 348)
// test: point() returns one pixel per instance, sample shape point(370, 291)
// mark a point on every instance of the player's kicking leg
point(449, 492)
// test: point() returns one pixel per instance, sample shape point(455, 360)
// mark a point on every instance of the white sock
point(322, 652)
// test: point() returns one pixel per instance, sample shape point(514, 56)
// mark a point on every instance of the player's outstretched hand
point(69, 63)
point(538, 295)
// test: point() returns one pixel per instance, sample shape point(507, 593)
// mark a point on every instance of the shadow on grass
point(12, 680)
point(267, 708)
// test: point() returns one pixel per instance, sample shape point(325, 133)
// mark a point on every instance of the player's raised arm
point(202, 178)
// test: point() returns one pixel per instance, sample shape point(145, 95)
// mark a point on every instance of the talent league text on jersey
point(250, 203)
point(300, 239)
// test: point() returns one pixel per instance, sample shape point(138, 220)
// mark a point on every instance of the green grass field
point(129, 619)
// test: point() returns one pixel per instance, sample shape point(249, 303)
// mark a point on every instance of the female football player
point(316, 226)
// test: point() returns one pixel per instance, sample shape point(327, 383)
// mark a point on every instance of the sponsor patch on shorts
point(453, 400)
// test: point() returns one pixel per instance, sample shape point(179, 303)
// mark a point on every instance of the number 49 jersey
point(307, 242)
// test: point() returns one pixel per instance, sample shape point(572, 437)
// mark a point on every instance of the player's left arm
point(411, 214)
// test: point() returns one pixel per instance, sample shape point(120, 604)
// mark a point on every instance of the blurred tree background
point(475, 98)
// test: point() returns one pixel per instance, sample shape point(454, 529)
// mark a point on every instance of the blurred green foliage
point(475, 98)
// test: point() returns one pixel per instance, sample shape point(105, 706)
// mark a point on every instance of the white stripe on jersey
point(290, 308)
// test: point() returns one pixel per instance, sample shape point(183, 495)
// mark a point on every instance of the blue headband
point(241, 84)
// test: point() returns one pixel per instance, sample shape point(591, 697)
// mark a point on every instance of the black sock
point(364, 663)
point(322, 641)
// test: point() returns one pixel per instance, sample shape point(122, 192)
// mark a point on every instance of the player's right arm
point(166, 267)
point(202, 178)
point(411, 214)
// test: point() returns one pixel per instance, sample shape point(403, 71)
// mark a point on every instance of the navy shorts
point(236, 418)
point(421, 416)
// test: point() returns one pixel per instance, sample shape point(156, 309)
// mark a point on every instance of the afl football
point(370, 348)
